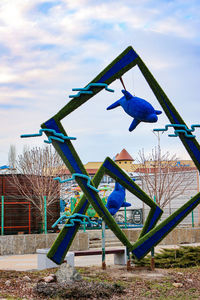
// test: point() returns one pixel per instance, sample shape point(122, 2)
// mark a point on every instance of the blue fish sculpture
point(116, 199)
point(138, 108)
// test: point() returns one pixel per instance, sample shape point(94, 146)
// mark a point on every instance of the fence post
point(192, 218)
point(103, 229)
point(152, 250)
point(125, 216)
point(45, 214)
point(2, 215)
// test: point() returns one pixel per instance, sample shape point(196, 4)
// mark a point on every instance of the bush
point(183, 257)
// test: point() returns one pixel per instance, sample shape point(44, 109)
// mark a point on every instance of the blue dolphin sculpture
point(116, 199)
point(138, 108)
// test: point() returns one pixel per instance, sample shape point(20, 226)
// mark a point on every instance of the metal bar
point(128, 262)
point(45, 214)
point(16, 226)
point(29, 218)
point(103, 245)
point(152, 250)
point(125, 217)
point(2, 215)
point(16, 202)
point(192, 218)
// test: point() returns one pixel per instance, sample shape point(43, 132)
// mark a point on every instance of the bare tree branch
point(162, 177)
point(38, 167)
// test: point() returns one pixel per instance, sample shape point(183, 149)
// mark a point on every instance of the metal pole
point(128, 262)
point(125, 216)
point(84, 226)
point(192, 218)
point(2, 215)
point(152, 252)
point(199, 204)
point(29, 218)
point(45, 214)
point(103, 229)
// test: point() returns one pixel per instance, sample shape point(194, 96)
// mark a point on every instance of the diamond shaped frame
point(150, 235)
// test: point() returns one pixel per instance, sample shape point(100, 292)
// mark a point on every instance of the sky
point(49, 47)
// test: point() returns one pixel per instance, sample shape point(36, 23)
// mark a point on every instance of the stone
point(50, 278)
point(7, 282)
point(26, 278)
point(177, 284)
point(67, 273)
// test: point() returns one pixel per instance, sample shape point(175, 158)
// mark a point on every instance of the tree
point(38, 166)
point(163, 177)
point(12, 156)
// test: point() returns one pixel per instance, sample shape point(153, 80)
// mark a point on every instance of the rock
point(50, 278)
point(177, 284)
point(8, 282)
point(26, 278)
point(67, 273)
point(189, 280)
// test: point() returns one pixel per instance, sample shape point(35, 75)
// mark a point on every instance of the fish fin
point(125, 204)
point(158, 112)
point(127, 95)
point(115, 104)
point(134, 124)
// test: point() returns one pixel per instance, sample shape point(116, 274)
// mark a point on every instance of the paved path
point(29, 261)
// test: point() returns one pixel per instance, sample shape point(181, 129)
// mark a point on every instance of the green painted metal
point(2, 215)
point(125, 216)
point(192, 218)
point(103, 232)
point(147, 238)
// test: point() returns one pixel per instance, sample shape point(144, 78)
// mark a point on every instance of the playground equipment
point(151, 234)
point(74, 198)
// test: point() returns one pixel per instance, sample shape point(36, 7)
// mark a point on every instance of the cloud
point(49, 47)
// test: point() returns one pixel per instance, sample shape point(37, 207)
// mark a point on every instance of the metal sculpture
point(151, 235)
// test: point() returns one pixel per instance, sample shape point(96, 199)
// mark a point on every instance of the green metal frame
point(150, 235)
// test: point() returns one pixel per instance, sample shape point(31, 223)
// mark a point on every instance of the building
point(19, 214)
point(125, 161)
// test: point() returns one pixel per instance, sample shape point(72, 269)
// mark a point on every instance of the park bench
point(120, 257)
point(43, 262)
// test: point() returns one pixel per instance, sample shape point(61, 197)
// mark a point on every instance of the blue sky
point(49, 47)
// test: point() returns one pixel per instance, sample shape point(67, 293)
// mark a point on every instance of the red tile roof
point(124, 155)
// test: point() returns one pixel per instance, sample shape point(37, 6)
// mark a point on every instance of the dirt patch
point(114, 283)
point(78, 290)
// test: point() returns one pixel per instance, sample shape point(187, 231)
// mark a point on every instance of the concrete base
point(43, 262)
point(120, 258)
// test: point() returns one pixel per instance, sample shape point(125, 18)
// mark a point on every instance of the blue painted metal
point(78, 175)
point(183, 129)
point(119, 65)
point(74, 218)
point(4, 167)
point(85, 90)
point(163, 228)
point(60, 137)
point(156, 216)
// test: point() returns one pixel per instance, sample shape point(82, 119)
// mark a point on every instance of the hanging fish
point(116, 199)
point(138, 108)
